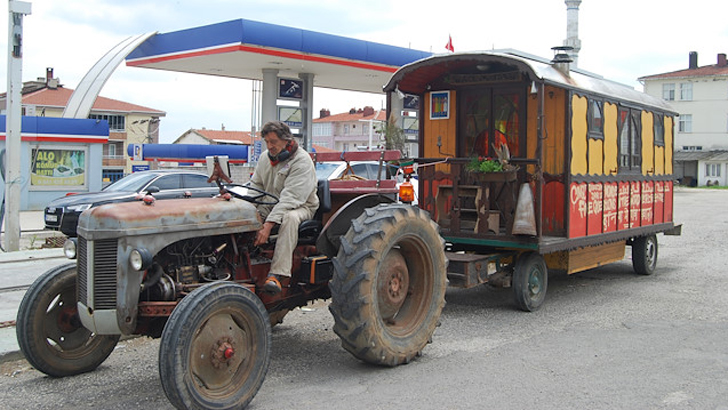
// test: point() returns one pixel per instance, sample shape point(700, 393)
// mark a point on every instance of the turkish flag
point(449, 44)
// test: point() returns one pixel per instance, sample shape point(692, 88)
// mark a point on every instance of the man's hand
point(263, 234)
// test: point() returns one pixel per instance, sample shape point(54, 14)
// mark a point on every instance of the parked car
point(62, 213)
point(364, 169)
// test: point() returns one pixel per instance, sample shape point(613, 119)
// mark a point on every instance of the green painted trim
point(491, 243)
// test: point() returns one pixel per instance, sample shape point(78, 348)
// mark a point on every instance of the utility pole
point(13, 122)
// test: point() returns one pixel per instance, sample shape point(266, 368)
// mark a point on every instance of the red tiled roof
point(242, 137)
point(58, 97)
point(379, 115)
point(319, 148)
point(704, 71)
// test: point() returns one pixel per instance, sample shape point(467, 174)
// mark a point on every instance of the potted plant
point(493, 169)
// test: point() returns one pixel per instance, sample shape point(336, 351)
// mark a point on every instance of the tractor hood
point(215, 215)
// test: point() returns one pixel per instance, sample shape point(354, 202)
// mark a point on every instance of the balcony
point(114, 160)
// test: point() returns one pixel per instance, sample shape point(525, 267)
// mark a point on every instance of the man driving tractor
point(286, 171)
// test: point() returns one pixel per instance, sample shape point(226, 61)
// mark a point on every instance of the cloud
point(621, 40)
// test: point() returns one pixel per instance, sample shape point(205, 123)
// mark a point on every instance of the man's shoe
point(272, 285)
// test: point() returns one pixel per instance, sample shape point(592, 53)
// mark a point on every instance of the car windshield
point(325, 169)
point(133, 182)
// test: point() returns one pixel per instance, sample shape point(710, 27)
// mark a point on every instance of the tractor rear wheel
point(388, 289)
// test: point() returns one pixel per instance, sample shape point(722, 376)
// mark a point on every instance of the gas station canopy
point(244, 48)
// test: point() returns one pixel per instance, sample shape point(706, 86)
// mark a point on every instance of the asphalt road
point(605, 339)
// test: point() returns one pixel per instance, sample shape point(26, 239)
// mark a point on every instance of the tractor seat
point(309, 230)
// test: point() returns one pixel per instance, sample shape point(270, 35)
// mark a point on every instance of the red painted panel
point(668, 201)
point(648, 199)
point(610, 207)
point(635, 201)
point(623, 206)
point(659, 209)
point(577, 210)
point(553, 208)
point(594, 219)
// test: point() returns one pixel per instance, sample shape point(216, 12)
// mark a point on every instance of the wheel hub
point(222, 352)
point(68, 319)
point(393, 284)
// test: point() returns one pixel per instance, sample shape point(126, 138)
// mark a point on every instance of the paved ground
point(605, 339)
point(19, 269)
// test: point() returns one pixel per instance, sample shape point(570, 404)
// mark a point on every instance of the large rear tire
point(388, 289)
point(49, 331)
point(215, 348)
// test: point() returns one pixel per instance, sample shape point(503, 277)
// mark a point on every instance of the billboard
point(55, 167)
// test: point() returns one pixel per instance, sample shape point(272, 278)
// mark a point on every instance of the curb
point(33, 254)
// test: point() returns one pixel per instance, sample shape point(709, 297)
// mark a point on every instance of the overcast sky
point(621, 40)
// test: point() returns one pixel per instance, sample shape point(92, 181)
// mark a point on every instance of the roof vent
point(562, 59)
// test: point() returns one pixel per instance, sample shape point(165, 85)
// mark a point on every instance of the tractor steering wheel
point(257, 196)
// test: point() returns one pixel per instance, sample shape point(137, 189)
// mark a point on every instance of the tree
point(393, 135)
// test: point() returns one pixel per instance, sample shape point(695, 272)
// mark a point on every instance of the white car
point(365, 169)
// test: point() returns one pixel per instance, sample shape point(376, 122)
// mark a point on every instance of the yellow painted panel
point(445, 129)
point(555, 132)
point(659, 160)
point(596, 156)
point(611, 150)
point(669, 127)
point(578, 135)
point(648, 144)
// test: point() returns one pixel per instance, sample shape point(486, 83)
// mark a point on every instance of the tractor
point(186, 271)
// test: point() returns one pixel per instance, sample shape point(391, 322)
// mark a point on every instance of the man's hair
point(279, 128)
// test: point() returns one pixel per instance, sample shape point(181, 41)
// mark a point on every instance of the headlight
point(69, 248)
point(79, 208)
point(140, 259)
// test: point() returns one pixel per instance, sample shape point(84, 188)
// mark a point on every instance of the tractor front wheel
point(49, 331)
point(215, 348)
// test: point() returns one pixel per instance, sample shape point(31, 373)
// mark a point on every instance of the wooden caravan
point(590, 167)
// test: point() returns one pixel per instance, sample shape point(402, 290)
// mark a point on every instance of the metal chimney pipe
point(693, 63)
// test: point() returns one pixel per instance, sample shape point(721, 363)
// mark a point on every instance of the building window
point(686, 91)
point(112, 175)
point(668, 91)
point(112, 150)
point(692, 148)
point(685, 124)
point(659, 129)
point(629, 140)
point(596, 120)
point(346, 129)
point(116, 122)
point(712, 170)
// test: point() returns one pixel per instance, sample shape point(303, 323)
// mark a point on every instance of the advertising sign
point(291, 116)
point(290, 89)
point(58, 167)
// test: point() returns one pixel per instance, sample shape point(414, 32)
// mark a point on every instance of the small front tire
point(215, 348)
point(49, 331)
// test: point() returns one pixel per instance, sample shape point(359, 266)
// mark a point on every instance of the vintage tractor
point(186, 270)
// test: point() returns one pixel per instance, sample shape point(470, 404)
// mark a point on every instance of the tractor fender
point(328, 240)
